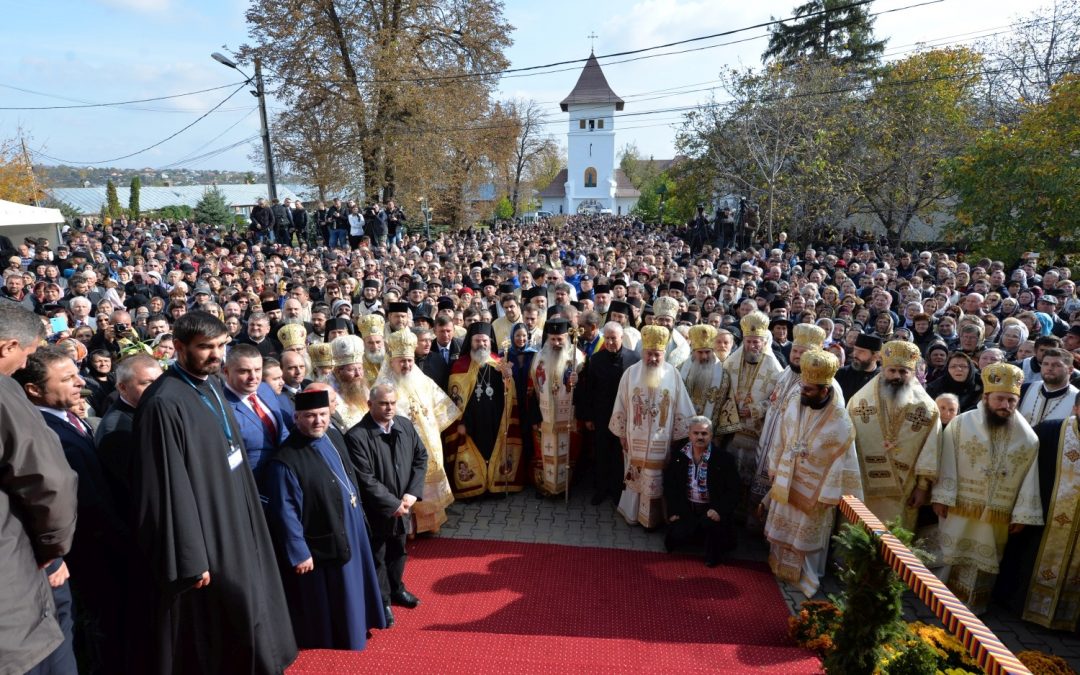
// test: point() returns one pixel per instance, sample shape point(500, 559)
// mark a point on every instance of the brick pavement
point(523, 517)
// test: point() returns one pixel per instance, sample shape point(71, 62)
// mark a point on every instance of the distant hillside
point(77, 176)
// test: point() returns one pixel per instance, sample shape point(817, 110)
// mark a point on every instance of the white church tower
point(591, 181)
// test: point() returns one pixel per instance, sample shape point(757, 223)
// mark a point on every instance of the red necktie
point(268, 422)
point(77, 423)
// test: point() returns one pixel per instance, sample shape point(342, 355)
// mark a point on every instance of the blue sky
point(112, 50)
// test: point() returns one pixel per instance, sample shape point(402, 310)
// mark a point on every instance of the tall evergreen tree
point(133, 198)
point(112, 202)
point(827, 30)
point(212, 209)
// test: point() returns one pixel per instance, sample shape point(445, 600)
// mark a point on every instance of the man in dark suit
point(446, 345)
point(594, 401)
point(294, 373)
point(701, 487)
point(97, 559)
point(428, 361)
point(255, 405)
point(391, 462)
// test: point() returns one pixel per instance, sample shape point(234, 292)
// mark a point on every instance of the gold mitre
point(900, 354)
point(401, 344)
point(292, 335)
point(818, 366)
point(702, 336)
point(321, 355)
point(755, 324)
point(347, 349)
point(665, 306)
point(1002, 377)
point(654, 337)
point(808, 335)
point(370, 324)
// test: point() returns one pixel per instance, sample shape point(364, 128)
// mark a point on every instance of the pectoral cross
point(864, 411)
point(352, 500)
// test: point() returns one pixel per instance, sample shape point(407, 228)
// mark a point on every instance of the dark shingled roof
point(591, 87)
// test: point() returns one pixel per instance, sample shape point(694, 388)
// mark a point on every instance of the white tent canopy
point(18, 221)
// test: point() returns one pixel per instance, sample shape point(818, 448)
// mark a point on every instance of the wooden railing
point(990, 653)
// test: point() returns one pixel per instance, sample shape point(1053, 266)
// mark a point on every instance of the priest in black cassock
point(595, 400)
point(862, 366)
point(200, 523)
point(321, 534)
point(1039, 578)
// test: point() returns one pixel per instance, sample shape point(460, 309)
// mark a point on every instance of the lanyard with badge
point(235, 457)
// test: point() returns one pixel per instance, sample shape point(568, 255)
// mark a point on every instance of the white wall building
point(591, 182)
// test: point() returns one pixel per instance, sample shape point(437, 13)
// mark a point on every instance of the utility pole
point(30, 168)
point(259, 93)
point(268, 157)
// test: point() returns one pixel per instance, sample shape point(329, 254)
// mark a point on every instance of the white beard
point(556, 361)
point(653, 375)
point(411, 380)
point(752, 358)
point(480, 356)
point(375, 357)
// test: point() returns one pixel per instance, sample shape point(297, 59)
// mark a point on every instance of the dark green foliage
point(821, 31)
point(112, 201)
point(212, 209)
point(870, 604)
point(133, 198)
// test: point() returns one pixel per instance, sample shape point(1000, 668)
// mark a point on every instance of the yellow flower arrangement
point(1044, 664)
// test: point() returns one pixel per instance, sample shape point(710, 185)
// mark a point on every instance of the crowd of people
point(216, 445)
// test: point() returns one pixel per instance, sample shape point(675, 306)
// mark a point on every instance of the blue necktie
point(445, 354)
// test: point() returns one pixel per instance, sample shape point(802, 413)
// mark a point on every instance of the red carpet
point(504, 607)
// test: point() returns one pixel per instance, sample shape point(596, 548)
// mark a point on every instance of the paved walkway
point(523, 517)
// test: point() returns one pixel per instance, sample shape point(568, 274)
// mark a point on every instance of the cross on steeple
point(592, 41)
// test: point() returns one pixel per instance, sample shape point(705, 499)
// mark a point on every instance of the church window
point(590, 177)
point(581, 124)
point(599, 124)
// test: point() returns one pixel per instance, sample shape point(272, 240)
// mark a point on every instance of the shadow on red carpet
point(492, 606)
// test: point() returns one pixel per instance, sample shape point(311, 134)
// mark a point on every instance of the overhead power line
point(149, 147)
point(104, 105)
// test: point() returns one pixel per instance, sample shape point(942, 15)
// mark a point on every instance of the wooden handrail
point(985, 647)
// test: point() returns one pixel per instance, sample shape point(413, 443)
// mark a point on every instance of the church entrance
point(589, 207)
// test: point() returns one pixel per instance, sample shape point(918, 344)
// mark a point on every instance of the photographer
point(261, 221)
point(395, 223)
point(108, 336)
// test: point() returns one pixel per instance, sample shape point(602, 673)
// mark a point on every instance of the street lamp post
point(662, 191)
point(424, 211)
point(259, 93)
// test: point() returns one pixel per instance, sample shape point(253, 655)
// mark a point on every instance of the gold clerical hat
point(370, 324)
point(654, 337)
point(755, 324)
point(347, 349)
point(321, 354)
point(702, 336)
point(401, 344)
point(818, 367)
point(808, 335)
point(900, 354)
point(1002, 377)
point(666, 306)
point(292, 335)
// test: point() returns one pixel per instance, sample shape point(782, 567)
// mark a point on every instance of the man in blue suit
point(255, 405)
point(101, 549)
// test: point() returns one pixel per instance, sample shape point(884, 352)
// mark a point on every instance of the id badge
point(236, 458)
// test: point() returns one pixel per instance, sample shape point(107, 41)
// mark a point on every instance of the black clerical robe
point(197, 511)
point(1022, 549)
point(851, 380)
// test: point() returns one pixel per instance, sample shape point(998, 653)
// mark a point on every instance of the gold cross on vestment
point(864, 410)
point(918, 419)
